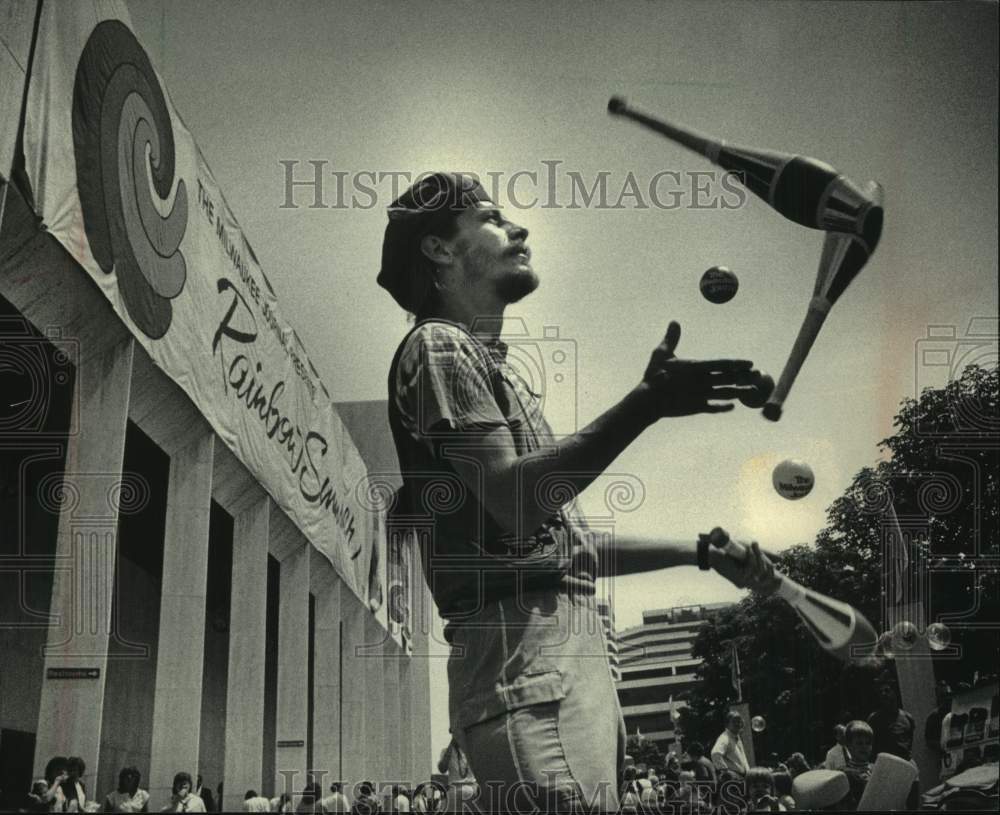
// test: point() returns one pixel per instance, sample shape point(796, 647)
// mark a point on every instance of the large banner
point(16, 20)
point(121, 184)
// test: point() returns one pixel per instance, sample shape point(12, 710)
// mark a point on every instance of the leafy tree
point(644, 751)
point(941, 470)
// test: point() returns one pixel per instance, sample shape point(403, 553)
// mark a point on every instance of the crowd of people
point(725, 781)
point(63, 789)
point(719, 780)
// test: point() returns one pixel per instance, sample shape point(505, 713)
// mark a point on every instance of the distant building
point(607, 614)
point(654, 663)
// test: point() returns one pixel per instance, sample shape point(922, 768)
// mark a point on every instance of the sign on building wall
point(121, 184)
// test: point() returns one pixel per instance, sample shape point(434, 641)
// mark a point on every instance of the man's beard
point(515, 287)
point(511, 287)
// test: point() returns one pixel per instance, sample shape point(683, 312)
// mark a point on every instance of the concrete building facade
point(658, 670)
point(606, 613)
point(158, 607)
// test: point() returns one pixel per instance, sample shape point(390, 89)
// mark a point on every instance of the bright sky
point(903, 93)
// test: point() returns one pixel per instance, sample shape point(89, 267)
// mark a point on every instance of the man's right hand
point(682, 387)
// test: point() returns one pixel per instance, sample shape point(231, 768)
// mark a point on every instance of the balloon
point(938, 636)
point(757, 724)
point(718, 285)
point(793, 479)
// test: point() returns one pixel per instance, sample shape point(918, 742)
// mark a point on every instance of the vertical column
point(373, 664)
point(293, 672)
point(743, 708)
point(404, 724)
point(420, 673)
point(326, 670)
point(182, 618)
point(247, 636)
point(76, 653)
point(391, 707)
point(915, 674)
point(353, 723)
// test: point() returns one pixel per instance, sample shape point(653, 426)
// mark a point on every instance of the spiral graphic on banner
point(397, 603)
point(124, 149)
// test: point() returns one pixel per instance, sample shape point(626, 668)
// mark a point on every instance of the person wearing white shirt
point(182, 799)
point(727, 752)
point(252, 802)
point(836, 756)
point(336, 801)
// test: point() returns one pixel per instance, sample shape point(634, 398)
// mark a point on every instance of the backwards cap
point(428, 206)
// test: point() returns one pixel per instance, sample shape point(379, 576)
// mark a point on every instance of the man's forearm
point(622, 556)
point(575, 461)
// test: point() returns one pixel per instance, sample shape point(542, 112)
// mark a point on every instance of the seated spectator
point(311, 794)
point(366, 802)
point(37, 797)
point(836, 756)
point(893, 727)
point(685, 796)
point(630, 791)
point(859, 739)
point(704, 770)
point(205, 793)
point(127, 797)
point(399, 799)
point(760, 791)
point(252, 802)
point(797, 764)
point(336, 801)
point(420, 802)
point(782, 783)
point(181, 798)
point(671, 772)
point(56, 773)
point(436, 792)
point(74, 790)
point(282, 803)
